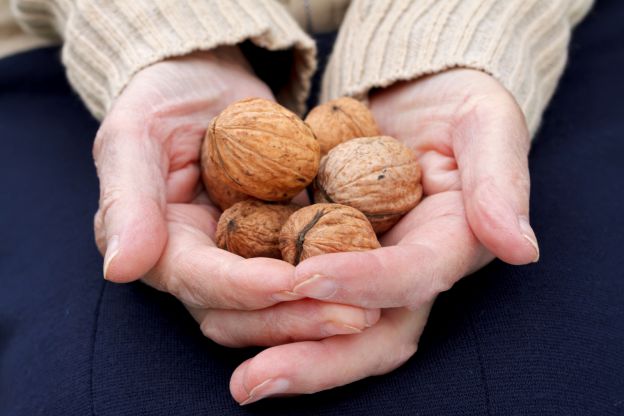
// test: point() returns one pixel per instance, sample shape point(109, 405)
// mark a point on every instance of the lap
point(540, 339)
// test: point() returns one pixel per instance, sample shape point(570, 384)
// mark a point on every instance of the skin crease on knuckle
point(278, 329)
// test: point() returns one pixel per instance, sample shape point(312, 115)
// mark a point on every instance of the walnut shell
point(377, 175)
point(251, 228)
point(262, 149)
point(218, 192)
point(340, 120)
point(325, 228)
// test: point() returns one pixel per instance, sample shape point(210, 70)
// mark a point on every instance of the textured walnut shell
point(218, 192)
point(251, 228)
point(262, 149)
point(340, 120)
point(325, 228)
point(377, 175)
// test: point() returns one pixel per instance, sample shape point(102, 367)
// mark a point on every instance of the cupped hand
point(472, 142)
point(155, 222)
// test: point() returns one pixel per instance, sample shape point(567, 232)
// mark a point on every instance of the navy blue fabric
point(546, 339)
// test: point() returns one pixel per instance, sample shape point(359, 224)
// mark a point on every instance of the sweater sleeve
point(105, 42)
point(522, 43)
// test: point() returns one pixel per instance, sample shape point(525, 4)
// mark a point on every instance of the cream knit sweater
point(523, 43)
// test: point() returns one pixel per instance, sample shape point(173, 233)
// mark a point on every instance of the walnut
point(377, 175)
point(251, 228)
point(340, 120)
point(218, 192)
point(262, 149)
point(325, 228)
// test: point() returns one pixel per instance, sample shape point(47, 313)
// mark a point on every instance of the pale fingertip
point(535, 247)
point(237, 387)
point(529, 235)
point(267, 388)
point(112, 249)
point(372, 317)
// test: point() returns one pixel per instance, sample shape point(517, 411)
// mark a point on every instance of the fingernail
point(285, 296)
point(372, 316)
point(112, 248)
point(267, 388)
point(317, 287)
point(336, 328)
point(529, 234)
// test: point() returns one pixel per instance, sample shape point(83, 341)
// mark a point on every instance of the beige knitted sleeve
point(522, 43)
point(107, 41)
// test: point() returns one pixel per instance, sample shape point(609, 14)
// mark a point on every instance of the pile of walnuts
point(257, 156)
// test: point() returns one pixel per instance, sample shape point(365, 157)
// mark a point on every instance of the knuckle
point(168, 276)
point(207, 326)
point(212, 330)
point(442, 284)
point(403, 354)
point(121, 121)
point(105, 133)
point(119, 124)
point(173, 275)
point(229, 294)
point(178, 273)
point(520, 181)
point(415, 299)
point(398, 356)
point(411, 298)
point(236, 290)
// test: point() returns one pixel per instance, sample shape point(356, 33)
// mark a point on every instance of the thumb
point(491, 148)
point(130, 226)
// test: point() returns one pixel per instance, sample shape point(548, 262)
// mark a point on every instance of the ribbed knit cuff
point(107, 42)
point(522, 43)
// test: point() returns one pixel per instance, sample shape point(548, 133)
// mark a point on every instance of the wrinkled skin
point(155, 223)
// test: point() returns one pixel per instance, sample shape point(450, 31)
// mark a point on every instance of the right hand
point(155, 222)
point(472, 142)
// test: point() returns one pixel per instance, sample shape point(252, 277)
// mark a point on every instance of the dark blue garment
point(546, 339)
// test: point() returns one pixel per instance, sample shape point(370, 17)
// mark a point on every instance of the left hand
point(472, 142)
point(155, 221)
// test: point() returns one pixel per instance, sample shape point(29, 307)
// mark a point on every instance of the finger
point(491, 146)
point(312, 366)
point(285, 322)
point(129, 224)
point(441, 173)
point(436, 249)
point(182, 183)
point(201, 275)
